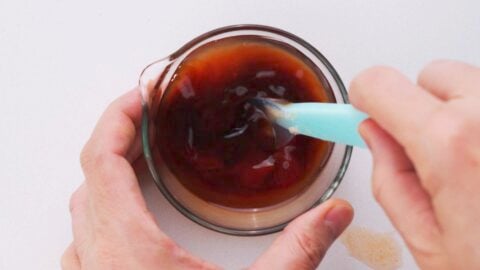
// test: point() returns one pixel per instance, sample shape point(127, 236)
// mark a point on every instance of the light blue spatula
point(327, 121)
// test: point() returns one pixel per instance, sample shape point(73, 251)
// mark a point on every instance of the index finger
point(116, 129)
point(396, 104)
point(109, 175)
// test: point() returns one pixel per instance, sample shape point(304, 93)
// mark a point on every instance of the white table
point(62, 63)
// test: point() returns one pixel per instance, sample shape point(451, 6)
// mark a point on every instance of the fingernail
point(338, 218)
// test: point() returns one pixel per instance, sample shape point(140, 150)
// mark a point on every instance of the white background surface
point(62, 62)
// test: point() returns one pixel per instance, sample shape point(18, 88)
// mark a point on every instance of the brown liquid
point(217, 144)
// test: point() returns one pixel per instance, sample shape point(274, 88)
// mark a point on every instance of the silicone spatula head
point(273, 110)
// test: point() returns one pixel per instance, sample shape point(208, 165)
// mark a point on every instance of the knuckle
point(453, 138)
point(433, 68)
point(85, 157)
point(103, 250)
point(313, 249)
point(66, 259)
point(92, 161)
point(310, 247)
point(440, 63)
point(75, 199)
point(450, 131)
point(448, 139)
point(372, 76)
point(73, 202)
point(64, 262)
point(168, 245)
point(168, 248)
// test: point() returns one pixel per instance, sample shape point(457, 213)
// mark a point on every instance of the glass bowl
point(156, 77)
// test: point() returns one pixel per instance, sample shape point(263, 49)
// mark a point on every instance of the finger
point(449, 79)
point(117, 127)
point(136, 148)
point(111, 181)
point(305, 241)
point(398, 189)
point(396, 104)
point(80, 215)
point(70, 259)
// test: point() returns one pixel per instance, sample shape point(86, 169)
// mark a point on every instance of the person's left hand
point(113, 228)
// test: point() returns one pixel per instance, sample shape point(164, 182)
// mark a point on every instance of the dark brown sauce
point(217, 144)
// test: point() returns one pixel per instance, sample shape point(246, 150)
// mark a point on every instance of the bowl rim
point(149, 157)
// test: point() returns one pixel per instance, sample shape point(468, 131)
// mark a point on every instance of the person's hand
point(425, 142)
point(113, 229)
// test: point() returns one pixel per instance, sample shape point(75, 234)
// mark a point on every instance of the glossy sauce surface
point(217, 144)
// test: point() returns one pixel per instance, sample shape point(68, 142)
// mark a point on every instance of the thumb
point(305, 240)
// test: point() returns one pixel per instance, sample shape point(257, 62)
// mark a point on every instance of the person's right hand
point(425, 142)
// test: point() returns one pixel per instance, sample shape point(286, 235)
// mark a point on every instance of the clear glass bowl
point(255, 221)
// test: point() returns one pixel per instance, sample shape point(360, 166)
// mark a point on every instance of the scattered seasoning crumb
point(380, 251)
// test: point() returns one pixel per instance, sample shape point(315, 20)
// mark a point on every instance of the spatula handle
point(328, 121)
